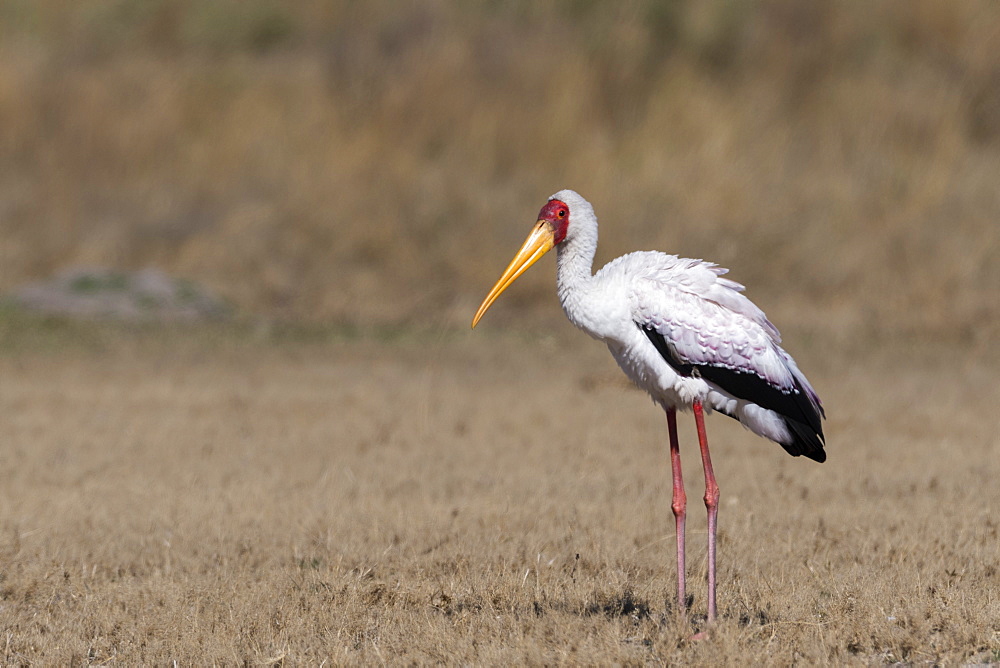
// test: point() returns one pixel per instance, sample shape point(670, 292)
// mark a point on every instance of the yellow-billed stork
point(683, 333)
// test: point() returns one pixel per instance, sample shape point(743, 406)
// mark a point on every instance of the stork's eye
point(562, 213)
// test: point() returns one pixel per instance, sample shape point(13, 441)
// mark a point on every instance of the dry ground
point(475, 498)
point(374, 494)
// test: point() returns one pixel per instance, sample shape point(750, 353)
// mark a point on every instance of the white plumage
point(684, 333)
point(704, 318)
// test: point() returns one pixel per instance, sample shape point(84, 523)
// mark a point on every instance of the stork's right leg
point(711, 503)
point(678, 505)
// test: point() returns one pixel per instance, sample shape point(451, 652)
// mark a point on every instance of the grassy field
point(209, 496)
point(343, 473)
point(316, 161)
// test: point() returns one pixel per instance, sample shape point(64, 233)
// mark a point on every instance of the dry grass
point(471, 499)
point(388, 488)
point(318, 160)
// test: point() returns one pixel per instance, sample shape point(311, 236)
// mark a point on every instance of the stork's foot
point(701, 635)
point(707, 628)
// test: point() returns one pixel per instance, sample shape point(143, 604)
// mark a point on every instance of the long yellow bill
point(539, 242)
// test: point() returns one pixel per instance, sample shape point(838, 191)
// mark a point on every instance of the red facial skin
point(557, 214)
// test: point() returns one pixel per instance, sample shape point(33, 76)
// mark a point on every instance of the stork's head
point(554, 227)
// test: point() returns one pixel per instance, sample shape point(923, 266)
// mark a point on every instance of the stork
point(684, 334)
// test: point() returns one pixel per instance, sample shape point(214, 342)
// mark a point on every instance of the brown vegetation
point(474, 500)
point(377, 162)
point(349, 475)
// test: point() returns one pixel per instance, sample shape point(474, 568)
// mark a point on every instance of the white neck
point(575, 260)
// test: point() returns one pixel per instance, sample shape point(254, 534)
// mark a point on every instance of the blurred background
point(376, 164)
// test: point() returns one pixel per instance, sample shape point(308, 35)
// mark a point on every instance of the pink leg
point(711, 503)
point(679, 505)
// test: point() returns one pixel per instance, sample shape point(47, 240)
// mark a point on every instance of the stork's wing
point(702, 325)
point(744, 384)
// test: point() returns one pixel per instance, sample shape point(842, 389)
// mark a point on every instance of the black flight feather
point(801, 416)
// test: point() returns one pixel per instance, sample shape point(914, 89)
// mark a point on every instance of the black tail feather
point(806, 441)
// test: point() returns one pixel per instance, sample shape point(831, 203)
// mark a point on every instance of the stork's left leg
point(711, 503)
point(678, 505)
